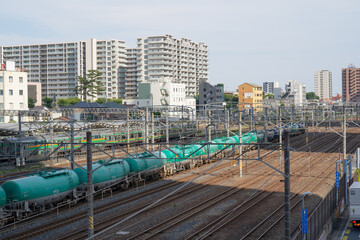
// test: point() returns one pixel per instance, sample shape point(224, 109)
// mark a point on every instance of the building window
point(1, 106)
point(11, 79)
point(21, 79)
point(1, 92)
point(1, 78)
point(21, 92)
point(11, 92)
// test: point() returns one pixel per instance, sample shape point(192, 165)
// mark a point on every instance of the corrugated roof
point(113, 105)
point(87, 105)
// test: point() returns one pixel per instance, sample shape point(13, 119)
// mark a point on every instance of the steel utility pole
point(72, 165)
point(266, 116)
point(280, 134)
point(152, 131)
point(128, 128)
point(146, 129)
point(90, 187)
point(287, 184)
point(167, 127)
point(240, 146)
point(227, 122)
point(209, 130)
point(344, 135)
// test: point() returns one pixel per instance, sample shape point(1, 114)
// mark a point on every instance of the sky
point(248, 40)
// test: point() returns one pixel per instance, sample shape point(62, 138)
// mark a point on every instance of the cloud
point(248, 40)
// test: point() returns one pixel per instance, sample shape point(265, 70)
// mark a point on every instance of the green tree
point(269, 96)
point(311, 95)
point(100, 100)
point(73, 100)
point(47, 102)
point(67, 101)
point(118, 101)
point(62, 102)
point(31, 102)
point(90, 85)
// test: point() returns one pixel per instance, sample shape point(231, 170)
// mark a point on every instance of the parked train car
point(36, 192)
point(107, 174)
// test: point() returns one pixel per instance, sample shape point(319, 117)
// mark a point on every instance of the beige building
point(250, 96)
point(323, 84)
point(13, 92)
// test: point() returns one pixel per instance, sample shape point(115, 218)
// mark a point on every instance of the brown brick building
point(351, 84)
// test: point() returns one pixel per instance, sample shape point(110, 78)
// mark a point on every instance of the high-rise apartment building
point(323, 84)
point(58, 65)
point(131, 73)
point(55, 65)
point(180, 59)
point(351, 84)
point(268, 87)
point(108, 57)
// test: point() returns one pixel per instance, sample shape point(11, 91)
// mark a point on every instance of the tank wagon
point(35, 193)
point(107, 174)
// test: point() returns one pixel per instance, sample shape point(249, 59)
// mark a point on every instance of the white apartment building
point(323, 84)
point(162, 92)
point(131, 73)
point(55, 65)
point(58, 65)
point(13, 92)
point(180, 59)
point(298, 90)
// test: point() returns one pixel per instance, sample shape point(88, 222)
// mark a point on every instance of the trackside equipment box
point(354, 197)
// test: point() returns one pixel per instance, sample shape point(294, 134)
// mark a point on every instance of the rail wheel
point(162, 173)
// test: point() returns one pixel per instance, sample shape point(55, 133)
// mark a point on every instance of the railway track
point(318, 144)
point(55, 225)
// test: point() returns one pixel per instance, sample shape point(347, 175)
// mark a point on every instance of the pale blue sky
point(249, 40)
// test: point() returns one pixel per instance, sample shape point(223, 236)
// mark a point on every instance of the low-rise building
point(211, 93)
point(250, 96)
point(13, 92)
point(298, 90)
point(34, 92)
point(162, 92)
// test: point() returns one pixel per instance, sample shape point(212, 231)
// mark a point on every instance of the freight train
point(22, 197)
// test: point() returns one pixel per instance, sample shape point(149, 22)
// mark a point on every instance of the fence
point(321, 215)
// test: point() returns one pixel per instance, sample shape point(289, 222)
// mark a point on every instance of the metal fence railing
point(322, 213)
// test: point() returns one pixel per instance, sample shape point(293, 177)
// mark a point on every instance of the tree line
point(89, 86)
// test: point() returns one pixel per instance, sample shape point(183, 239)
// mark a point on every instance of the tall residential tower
point(180, 59)
point(57, 65)
point(351, 84)
point(323, 84)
